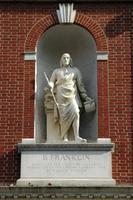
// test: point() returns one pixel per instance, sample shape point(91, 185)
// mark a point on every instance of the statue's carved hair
point(61, 63)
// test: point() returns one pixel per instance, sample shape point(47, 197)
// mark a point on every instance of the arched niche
point(81, 45)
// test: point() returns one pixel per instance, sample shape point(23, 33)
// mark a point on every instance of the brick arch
point(38, 29)
point(96, 31)
point(50, 20)
point(102, 71)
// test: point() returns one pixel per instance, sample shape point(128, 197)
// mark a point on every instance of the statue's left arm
point(80, 86)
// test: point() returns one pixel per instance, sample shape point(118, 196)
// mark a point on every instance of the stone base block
point(66, 165)
point(65, 182)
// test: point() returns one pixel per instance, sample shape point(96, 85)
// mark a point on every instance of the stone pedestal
point(66, 165)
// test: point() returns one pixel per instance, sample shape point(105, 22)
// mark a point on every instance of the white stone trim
point(103, 140)
point(102, 55)
point(92, 182)
point(28, 141)
point(76, 166)
point(30, 56)
point(66, 14)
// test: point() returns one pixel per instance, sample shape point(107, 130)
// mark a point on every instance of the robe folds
point(68, 85)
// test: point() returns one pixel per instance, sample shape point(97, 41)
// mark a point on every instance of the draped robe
point(67, 82)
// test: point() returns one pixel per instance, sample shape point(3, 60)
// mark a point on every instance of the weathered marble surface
point(59, 193)
point(69, 95)
point(66, 165)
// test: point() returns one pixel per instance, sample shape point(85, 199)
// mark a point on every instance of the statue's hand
point(89, 105)
point(51, 85)
point(89, 99)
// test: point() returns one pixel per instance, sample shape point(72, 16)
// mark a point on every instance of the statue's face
point(66, 60)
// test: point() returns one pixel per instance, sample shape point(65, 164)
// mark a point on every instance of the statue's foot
point(80, 140)
point(65, 138)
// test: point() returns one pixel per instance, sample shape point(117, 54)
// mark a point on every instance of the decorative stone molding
point(82, 1)
point(64, 147)
point(66, 14)
point(110, 193)
point(29, 56)
point(102, 55)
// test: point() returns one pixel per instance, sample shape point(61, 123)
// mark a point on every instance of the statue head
point(66, 60)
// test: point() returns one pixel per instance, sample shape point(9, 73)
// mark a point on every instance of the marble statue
point(68, 91)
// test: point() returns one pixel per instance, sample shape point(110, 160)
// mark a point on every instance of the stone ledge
point(66, 1)
point(113, 192)
point(78, 182)
point(65, 147)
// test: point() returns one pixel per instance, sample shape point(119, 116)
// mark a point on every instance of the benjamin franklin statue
point(66, 82)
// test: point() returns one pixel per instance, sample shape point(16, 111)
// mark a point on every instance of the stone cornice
point(67, 1)
point(65, 147)
point(115, 192)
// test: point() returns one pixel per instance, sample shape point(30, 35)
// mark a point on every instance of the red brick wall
point(21, 25)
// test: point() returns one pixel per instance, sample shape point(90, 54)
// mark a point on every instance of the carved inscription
point(66, 157)
point(66, 165)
